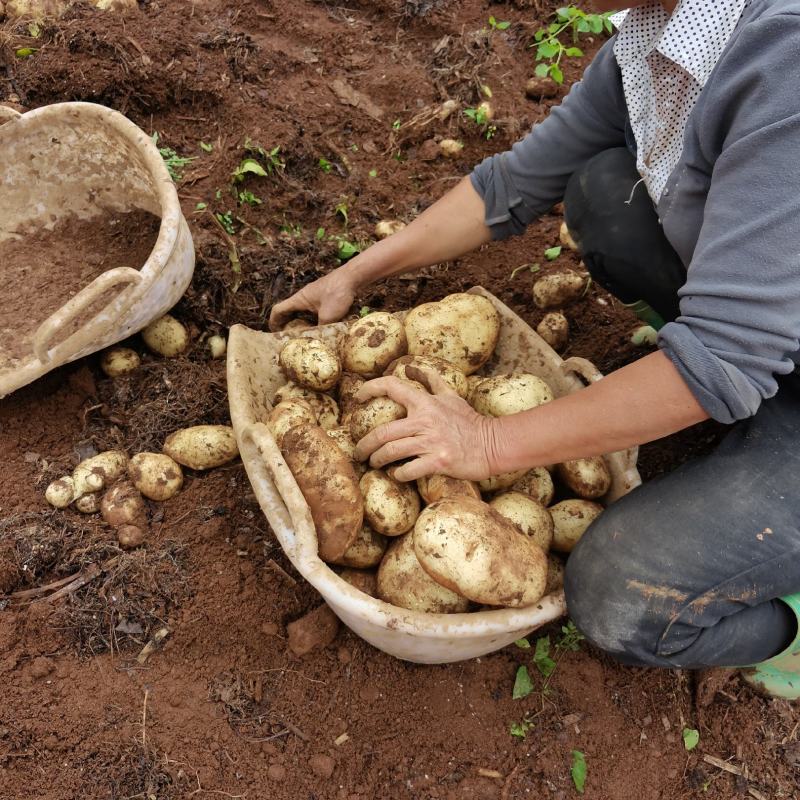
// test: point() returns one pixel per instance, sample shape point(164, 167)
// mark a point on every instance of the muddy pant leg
point(615, 225)
point(686, 570)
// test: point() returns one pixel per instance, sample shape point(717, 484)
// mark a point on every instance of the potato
point(461, 328)
point(451, 375)
point(60, 493)
point(324, 406)
point(130, 536)
point(503, 481)
point(217, 346)
point(97, 472)
point(485, 111)
point(402, 582)
point(566, 237)
point(88, 503)
point(450, 147)
point(373, 342)
point(558, 289)
point(528, 515)
point(362, 580)
point(310, 363)
point(287, 414)
point(119, 361)
point(435, 487)
point(328, 482)
point(538, 484)
point(554, 329)
point(155, 475)
point(587, 477)
point(370, 415)
point(571, 518)
point(468, 547)
point(297, 325)
point(349, 387)
point(123, 505)
point(390, 507)
point(473, 381)
point(166, 337)
point(202, 446)
point(366, 551)
point(388, 227)
point(502, 395)
point(555, 574)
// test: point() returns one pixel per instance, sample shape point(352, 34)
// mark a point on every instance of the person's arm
point(636, 404)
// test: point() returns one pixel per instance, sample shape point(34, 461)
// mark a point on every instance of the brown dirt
point(41, 271)
point(222, 708)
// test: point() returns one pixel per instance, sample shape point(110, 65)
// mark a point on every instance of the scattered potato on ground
point(436, 487)
point(324, 405)
point(530, 516)
point(538, 484)
point(403, 582)
point(461, 328)
point(373, 342)
point(502, 395)
point(202, 446)
point(503, 481)
point(364, 580)
point(408, 368)
point(166, 337)
point(391, 507)
point(554, 329)
point(555, 574)
point(470, 548)
point(366, 551)
point(287, 414)
point(587, 477)
point(123, 505)
point(217, 346)
point(571, 518)
point(130, 536)
point(368, 416)
point(566, 237)
point(155, 475)
point(328, 482)
point(538, 88)
point(97, 472)
point(388, 227)
point(119, 361)
point(88, 503)
point(485, 111)
point(558, 289)
point(450, 147)
point(60, 493)
point(310, 363)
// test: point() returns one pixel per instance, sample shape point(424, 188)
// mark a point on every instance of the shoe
point(779, 676)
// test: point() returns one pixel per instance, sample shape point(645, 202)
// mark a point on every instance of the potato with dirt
point(388, 227)
point(462, 329)
point(391, 507)
point(371, 343)
point(403, 582)
point(364, 580)
point(558, 289)
point(589, 478)
point(409, 368)
point(202, 446)
point(166, 337)
point(98, 472)
point(123, 505)
point(469, 548)
point(287, 414)
point(310, 363)
point(60, 493)
point(529, 516)
point(366, 551)
point(436, 487)
point(502, 395)
point(324, 405)
point(554, 329)
point(155, 475)
point(119, 361)
point(329, 485)
point(505, 480)
point(571, 518)
point(367, 416)
point(538, 484)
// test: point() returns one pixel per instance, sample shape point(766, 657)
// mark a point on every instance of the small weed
point(477, 115)
point(320, 234)
point(248, 166)
point(345, 249)
point(373, 173)
point(578, 770)
point(292, 229)
point(226, 220)
point(206, 147)
point(325, 165)
point(552, 253)
point(533, 268)
point(520, 729)
point(174, 162)
point(550, 49)
point(341, 210)
point(25, 52)
point(34, 29)
point(247, 197)
point(364, 310)
point(523, 685)
point(691, 738)
point(497, 25)
point(396, 125)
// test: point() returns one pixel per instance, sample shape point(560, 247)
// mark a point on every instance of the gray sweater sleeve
point(740, 307)
point(525, 182)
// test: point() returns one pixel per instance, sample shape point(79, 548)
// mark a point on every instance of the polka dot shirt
point(665, 61)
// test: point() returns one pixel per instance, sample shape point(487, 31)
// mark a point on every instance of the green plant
point(248, 166)
point(320, 234)
point(292, 229)
point(496, 25)
point(523, 685)
point(691, 738)
point(206, 147)
point(174, 162)
point(364, 310)
point(545, 659)
point(325, 165)
point(396, 125)
point(578, 770)
point(25, 52)
point(477, 115)
point(345, 249)
point(373, 173)
point(552, 253)
point(246, 196)
point(520, 729)
point(569, 21)
point(226, 220)
point(341, 210)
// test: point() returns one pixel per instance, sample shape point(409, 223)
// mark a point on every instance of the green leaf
point(522, 684)
point(486, 90)
point(578, 770)
point(501, 26)
point(552, 253)
point(492, 21)
point(542, 70)
point(396, 125)
point(547, 50)
point(596, 24)
point(573, 52)
point(34, 29)
point(24, 52)
point(373, 173)
point(347, 250)
point(206, 147)
point(523, 644)
point(249, 166)
point(691, 738)
point(541, 657)
point(364, 311)
point(201, 206)
point(556, 74)
point(519, 729)
point(320, 233)
point(583, 26)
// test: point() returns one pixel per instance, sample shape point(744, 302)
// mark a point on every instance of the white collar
point(676, 36)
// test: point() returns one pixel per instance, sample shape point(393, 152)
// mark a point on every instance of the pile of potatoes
point(443, 545)
point(116, 485)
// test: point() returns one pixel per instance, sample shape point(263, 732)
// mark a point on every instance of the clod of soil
point(315, 631)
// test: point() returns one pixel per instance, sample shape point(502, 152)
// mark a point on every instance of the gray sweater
point(731, 207)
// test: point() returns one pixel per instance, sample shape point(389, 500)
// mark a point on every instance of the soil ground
point(223, 709)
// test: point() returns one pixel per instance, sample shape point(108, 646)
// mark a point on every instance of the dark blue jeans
point(685, 571)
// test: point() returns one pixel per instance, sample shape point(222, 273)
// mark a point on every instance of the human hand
point(329, 297)
point(441, 429)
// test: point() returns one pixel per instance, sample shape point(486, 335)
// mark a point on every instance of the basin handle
point(73, 307)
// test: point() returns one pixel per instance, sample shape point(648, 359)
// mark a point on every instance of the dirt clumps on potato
point(554, 329)
point(123, 505)
point(408, 367)
point(538, 484)
point(373, 342)
point(329, 485)
point(364, 580)
point(436, 487)
point(370, 415)
point(166, 337)
point(528, 515)
point(390, 507)
point(119, 361)
point(589, 478)
point(287, 415)
point(366, 551)
point(202, 446)
point(571, 518)
point(502, 395)
point(310, 363)
point(558, 289)
point(155, 475)
point(324, 405)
